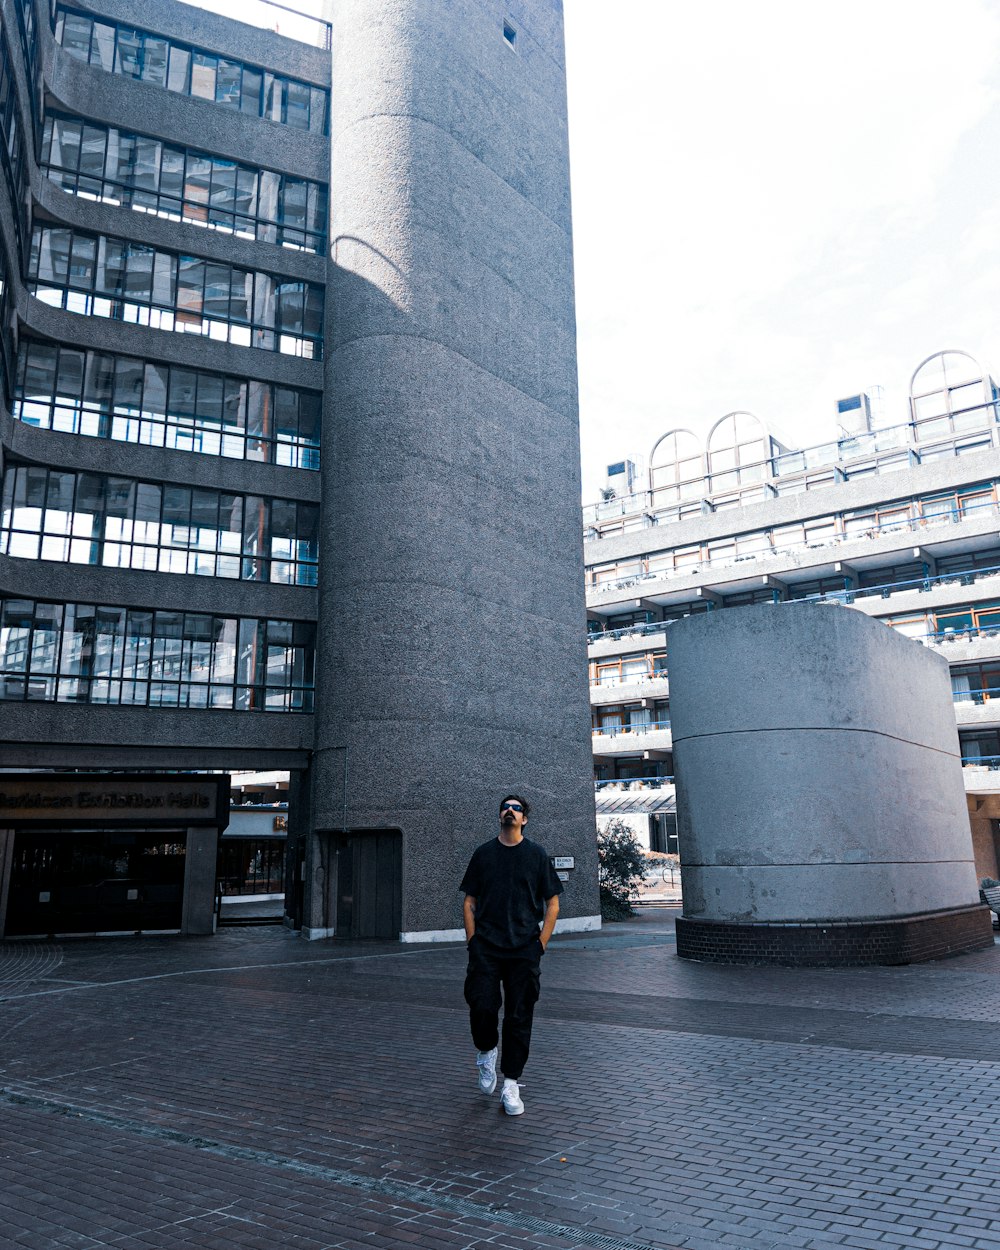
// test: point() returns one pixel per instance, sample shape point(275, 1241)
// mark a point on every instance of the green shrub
point(622, 868)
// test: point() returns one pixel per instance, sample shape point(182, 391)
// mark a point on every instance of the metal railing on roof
point(870, 452)
point(270, 15)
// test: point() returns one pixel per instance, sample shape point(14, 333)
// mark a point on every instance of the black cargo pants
point(516, 972)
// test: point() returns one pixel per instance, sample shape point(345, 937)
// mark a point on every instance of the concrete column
point(819, 778)
point(198, 913)
point(452, 652)
point(319, 916)
point(6, 865)
point(299, 805)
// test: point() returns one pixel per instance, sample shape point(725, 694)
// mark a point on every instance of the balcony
point(651, 742)
point(981, 774)
point(977, 707)
point(629, 689)
point(799, 555)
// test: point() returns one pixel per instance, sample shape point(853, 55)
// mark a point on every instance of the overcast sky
point(776, 205)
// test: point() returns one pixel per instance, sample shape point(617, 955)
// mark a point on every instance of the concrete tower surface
point(821, 806)
point(451, 664)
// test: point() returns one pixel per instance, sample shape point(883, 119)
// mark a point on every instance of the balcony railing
point(628, 631)
point(983, 695)
point(633, 783)
point(876, 452)
point(270, 15)
point(626, 679)
point(989, 762)
point(967, 577)
point(921, 524)
point(623, 731)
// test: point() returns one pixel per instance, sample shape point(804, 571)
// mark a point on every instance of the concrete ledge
point(842, 944)
point(572, 924)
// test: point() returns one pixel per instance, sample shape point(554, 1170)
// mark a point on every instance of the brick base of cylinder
point(838, 944)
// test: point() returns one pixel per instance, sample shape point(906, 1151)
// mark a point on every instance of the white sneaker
point(486, 1062)
point(510, 1095)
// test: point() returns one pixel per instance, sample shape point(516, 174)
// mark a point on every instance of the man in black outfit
point(510, 889)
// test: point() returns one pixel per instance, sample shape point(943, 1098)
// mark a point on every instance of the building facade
point(287, 350)
point(899, 522)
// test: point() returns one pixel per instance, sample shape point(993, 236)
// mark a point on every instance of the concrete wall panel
point(818, 770)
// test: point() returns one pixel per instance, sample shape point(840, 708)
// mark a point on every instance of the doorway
point(368, 883)
point(96, 881)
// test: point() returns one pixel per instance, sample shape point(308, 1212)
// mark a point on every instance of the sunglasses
point(514, 807)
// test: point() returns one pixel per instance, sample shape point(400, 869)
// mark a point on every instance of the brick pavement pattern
point(253, 1090)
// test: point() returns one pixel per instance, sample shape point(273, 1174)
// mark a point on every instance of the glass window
point(204, 67)
point(250, 95)
point(102, 51)
point(179, 69)
point(227, 84)
point(128, 60)
point(297, 105)
point(154, 60)
point(76, 30)
point(190, 285)
point(139, 272)
point(110, 266)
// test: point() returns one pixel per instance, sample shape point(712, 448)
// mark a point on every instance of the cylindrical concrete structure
point(821, 807)
point(452, 660)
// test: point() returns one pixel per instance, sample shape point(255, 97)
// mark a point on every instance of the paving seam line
point(431, 1199)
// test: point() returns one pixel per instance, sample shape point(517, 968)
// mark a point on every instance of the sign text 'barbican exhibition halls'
point(82, 800)
point(89, 798)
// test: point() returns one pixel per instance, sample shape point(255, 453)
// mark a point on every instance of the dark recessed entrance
point(96, 881)
point(369, 883)
point(109, 852)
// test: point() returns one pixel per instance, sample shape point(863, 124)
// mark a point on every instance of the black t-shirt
point(511, 885)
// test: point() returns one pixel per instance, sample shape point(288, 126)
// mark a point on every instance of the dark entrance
point(96, 881)
point(369, 884)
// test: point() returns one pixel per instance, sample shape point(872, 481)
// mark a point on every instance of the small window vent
point(510, 35)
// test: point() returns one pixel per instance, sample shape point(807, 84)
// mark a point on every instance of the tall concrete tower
point(451, 664)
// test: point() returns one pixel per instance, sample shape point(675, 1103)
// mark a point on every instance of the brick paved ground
point(253, 1090)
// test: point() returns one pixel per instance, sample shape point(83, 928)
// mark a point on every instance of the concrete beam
point(710, 596)
point(925, 557)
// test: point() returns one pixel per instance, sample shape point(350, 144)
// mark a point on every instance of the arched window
point(949, 394)
point(739, 452)
point(676, 468)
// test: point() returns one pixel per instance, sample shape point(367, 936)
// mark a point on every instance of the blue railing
point(992, 762)
point(963, 633)
point(948, 516)
point(966, 577)
point(615, 731)
point(982, 694)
